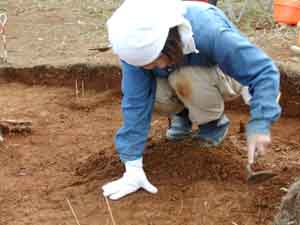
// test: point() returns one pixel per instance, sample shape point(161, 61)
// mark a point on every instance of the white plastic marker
point(3, 21)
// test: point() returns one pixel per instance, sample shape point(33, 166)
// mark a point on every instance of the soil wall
point(103, 77)
point(96, 77)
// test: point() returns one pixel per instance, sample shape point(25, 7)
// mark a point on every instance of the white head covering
point(139, 29)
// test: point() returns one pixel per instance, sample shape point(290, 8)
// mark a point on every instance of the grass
point(255, 16)
point(88, 18)
point(258, 21)
point(86, 21)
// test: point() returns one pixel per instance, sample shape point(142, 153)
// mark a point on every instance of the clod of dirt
point(290, 207)
point(15, 126)
point(95, 161)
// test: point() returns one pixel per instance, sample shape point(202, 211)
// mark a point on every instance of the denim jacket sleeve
point(249, 65)
point(138, 87)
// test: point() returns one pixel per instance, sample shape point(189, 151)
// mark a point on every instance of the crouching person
point(185, 42)
point(196, 95)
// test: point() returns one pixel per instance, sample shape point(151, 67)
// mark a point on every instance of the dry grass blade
point(5, 54)
point(76, 89)
point(73, 212)
point(110, 212)
point(82, 88)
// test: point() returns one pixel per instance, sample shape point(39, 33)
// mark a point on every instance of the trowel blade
point(260, 177)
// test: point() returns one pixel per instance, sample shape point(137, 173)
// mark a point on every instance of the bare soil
point(70, 154)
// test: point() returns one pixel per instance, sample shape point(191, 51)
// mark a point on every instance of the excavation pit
point(70, 153)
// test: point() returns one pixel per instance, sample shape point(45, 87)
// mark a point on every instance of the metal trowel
point(256, 177)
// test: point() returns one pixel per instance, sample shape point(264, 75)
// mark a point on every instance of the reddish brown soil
point(70, 154)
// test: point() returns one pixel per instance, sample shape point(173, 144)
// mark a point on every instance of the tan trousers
point(200, 89)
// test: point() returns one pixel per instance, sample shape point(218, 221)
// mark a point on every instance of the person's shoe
point(180, 128)
point(213, 133)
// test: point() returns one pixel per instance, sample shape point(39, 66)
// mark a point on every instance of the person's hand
point(133, 179)
point(257, 144)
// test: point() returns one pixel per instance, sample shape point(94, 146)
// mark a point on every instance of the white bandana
point(139, 29)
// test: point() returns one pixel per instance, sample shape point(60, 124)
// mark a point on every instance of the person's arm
point(138, 87)
point(249, 65)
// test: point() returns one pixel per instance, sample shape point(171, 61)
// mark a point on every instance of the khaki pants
point(201, 90)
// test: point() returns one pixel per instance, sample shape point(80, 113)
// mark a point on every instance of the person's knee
point(196, 88)
point(166, 101)
point(181, 82)
point(187, 81)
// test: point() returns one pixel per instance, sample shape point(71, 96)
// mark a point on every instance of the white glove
point(133, 179)
point(257, 145)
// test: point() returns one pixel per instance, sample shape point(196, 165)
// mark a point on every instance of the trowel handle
point(249, 168)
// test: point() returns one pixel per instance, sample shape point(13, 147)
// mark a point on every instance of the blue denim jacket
point(219, 43)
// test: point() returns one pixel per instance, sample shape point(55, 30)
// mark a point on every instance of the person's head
point(148, 34)
point(171, 53)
